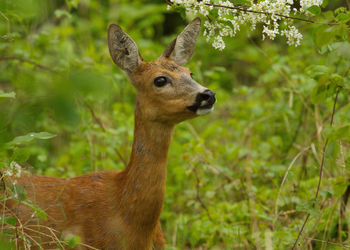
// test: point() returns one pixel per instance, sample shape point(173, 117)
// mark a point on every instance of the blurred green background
point(225, 170)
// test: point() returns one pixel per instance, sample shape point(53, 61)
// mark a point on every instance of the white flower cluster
point(308, 3)
point(227, 18)
point(14, 170)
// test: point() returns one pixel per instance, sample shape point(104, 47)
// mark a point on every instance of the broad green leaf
point(327, 194)
point(315, 71)
point(333, 79)
point(339, 133)
point(343, 17)
point(18, 192)
point(39, 212)
point(19, 140)
point(72, 4)
point(321, 92)
point(73, 240)
point(242, 2)
point(323, 35)
point(336, 80)
point(9, 220)
point(7, 95)
point(332, 152)
point(339, 185)
point(344, 50)
point(62, 13)
point(324, 3)
point(20, 155)
point(316, 10)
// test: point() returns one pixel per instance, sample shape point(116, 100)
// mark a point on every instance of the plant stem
point(321, 168)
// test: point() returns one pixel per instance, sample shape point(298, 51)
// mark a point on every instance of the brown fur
point(111, 209)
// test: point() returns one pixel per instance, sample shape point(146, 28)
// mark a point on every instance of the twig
point(8, 22)
point(295, 136)
point(15, 58)
point(342, 209)
point(329, 242)
point(197, 193)
point(97, 119)
point(251, 202)
point(321, 168)
point(259, 12)
point(325, 145)
point(100, 123)
point(266, 13)
point(284, 179)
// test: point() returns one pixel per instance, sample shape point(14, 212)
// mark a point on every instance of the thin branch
point(325, 145)
point(101, 125)
point(15, 58)
point(329, 242)
point(295, 136)
point(197, 193)
point(261, 12)
point(242, 9)
point(342, 209)
point(97, 119)
point(8, 22)
point(321, 168)
point(284, 179)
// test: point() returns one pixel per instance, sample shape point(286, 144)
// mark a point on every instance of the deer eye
point(160, 81)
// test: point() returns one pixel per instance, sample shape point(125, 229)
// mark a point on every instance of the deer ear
point(123, 49)
point(181, 49)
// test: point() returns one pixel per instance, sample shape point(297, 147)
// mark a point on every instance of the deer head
point(165, 89)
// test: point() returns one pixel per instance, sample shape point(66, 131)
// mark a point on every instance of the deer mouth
point(204, 103)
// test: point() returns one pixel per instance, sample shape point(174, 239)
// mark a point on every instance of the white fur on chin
point(204, 111)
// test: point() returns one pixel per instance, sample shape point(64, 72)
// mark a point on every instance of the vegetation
point(272, 157)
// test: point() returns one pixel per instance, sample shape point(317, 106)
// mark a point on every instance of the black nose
point(208, 96)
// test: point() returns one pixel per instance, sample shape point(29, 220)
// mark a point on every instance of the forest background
point(244, 177)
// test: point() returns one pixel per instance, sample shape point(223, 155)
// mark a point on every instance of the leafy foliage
point(243, 177)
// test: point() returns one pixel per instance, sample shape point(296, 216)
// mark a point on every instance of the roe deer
point(121, 209)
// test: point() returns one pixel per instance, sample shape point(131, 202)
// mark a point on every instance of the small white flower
point(269, 13)
point(15, 170)
point(308, 3)
point(218, 43)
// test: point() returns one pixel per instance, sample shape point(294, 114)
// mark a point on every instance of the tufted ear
point(123, 49)
point(181, 49)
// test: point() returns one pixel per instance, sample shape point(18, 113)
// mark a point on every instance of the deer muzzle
point(204, 103)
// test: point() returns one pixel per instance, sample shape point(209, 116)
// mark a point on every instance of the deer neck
point(145, 176)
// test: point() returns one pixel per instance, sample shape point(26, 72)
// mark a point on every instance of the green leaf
point(321, 92)
point(316, 10)
point(334, 79)
point(242, 2)
point(344, 50)
point(20, 155)
point(72, 240)
point(332, 152)
point(324, 4)
point(39, 212)
point(327, 194)
point(18, 193)
point(323, 35)
point(19, 140)
point(343, 17)
point(338, 133)
point(7, 95)
point(62, 13)
point(9, 220)
point(72, 4)
point(314, 71)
